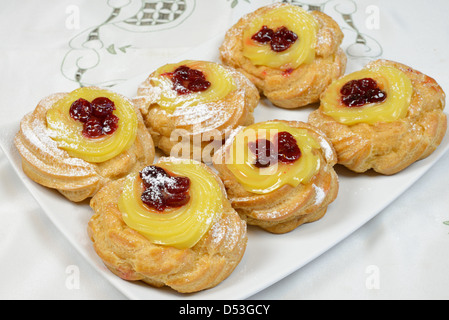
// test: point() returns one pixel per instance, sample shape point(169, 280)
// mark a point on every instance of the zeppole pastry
point(168, 225)
point(187, 106)
point(384, 117)
point(77, 142)
point(278, 174)
point(291, 55)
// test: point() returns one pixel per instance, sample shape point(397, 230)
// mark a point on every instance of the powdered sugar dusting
point(228, 232)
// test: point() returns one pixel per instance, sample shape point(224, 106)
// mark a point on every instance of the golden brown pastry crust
point(201, 124)
point(131, 256)
point(301, 86)
point(76, 179)
point(288, 207)
point(388, 148)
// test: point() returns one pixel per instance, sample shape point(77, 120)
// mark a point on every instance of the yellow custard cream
point(221, 84)
point(392, 81)
point(67, 132)
point(179, 227)
point(240, 160)
point(295, 19)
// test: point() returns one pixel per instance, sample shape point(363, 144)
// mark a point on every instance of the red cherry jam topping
point(357, 93)
point(284, 149)
point(96, 116)
point(279, 40)
point(186, 80)
point(163, 190)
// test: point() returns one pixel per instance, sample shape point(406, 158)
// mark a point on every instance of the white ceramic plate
point(268, 257)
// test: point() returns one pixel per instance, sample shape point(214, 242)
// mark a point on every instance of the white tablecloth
point(51, 46)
